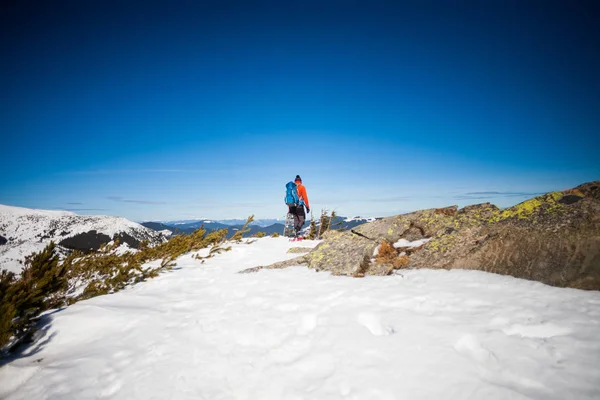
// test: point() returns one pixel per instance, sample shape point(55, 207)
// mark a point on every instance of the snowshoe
point(289, 230)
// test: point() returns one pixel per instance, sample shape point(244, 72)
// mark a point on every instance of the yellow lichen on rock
point(529, 208)
point(295, 250)
point(556, 195)
point(316, 255)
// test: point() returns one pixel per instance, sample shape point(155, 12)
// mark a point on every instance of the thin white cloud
point(363, 200)
point(123, 200)
point(494, 194)
point(84, 209)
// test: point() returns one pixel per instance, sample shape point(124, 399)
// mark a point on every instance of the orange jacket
point(302, 194)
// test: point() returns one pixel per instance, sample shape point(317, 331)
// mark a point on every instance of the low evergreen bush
point(45, 282)
point(42, 285)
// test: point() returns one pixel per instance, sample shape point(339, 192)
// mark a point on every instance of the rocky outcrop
point(299, 250)
point(3, 240)
point(553, 238)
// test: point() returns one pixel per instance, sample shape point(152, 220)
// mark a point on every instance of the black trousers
point(299, 216)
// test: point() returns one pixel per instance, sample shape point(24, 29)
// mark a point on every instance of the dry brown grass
point(400, 262)
point(575, 192)
point(388, 254)
point(449, 211)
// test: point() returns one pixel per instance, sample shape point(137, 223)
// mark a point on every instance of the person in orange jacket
point(298, 211)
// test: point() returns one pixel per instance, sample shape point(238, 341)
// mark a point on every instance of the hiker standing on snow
point(298, 210)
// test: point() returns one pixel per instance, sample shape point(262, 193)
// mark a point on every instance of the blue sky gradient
point(173, 110)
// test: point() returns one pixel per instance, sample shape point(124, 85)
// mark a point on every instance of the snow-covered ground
point(203, 331)
point(360, 219)
point(403, 243)
point(29, 230)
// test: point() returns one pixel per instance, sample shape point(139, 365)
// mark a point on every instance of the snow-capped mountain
point(360, 219)
point(24, 231)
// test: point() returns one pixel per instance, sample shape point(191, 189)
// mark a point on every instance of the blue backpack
point(291, 194)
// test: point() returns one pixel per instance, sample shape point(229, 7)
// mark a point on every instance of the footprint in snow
point(493, 371)
point(307, 324)
point(373, 323)
point(315, 367)
point(470, 347)
point(110, 383)
point(122, 358)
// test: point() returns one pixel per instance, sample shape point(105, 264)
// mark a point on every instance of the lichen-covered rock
point(301, 260)
point(342, 253)
point(299, 250)
point(553, 238)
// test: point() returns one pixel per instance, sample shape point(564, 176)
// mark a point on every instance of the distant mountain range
point(268, 226)
point(185, 228)
point(228, 222)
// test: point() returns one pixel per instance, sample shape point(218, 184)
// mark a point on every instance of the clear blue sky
point(181, 109)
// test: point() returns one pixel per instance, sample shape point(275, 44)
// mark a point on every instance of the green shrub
point(240, 234)
point(216, 237)
point(44, 281)
point(108, 272)
point(7, 308)
point(42, 285)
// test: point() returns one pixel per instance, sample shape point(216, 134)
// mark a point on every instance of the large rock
point(342, 253)
point(553, 238)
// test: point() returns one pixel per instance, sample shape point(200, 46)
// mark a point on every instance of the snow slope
point(205, 332)
point(29, 230)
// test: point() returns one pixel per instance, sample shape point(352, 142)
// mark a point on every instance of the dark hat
point(298, 178)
